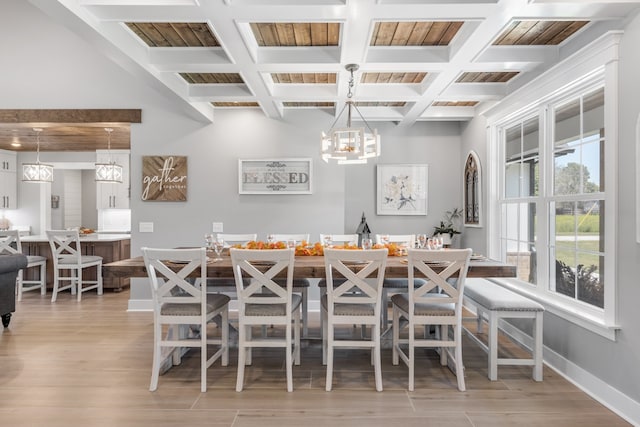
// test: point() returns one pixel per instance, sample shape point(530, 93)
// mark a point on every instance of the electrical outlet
point(145, 227)
point(217, 227)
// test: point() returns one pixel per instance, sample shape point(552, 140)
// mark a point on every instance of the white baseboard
point(610, 397)
point(140, 305)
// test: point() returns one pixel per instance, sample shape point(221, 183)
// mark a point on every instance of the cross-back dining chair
point(180, 305)
point(228, 284)
point(356, 300)
point(420, 307)
point(265, 302)
point(67, 255)
point(300, 284)
point(336, 240)
point(10, 244)
point(395, 284)
point(340, 239)
point(237, 239)
point(286, 237)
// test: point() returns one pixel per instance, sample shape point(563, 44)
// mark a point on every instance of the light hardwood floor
point(89, 364)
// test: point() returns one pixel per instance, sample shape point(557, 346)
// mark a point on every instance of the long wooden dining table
point(310, 267)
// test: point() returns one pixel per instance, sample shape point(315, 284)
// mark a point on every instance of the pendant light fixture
point(350, 145)
point(108, 172)
point(37, 172)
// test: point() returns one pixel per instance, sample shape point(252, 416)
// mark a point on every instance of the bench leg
point(537, 347)
point(493, 346)
point(479, 320)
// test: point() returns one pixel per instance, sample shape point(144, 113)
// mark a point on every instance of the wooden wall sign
point(164, 178)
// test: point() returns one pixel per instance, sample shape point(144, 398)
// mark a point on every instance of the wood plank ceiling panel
point(380, 104)
point(270, 34)
point(547, 33)
point(487, 77)
point(174, 34)
point(211, 78)
point(406, 78)
point(455, 103)
point(309, 104)
point(423, 33)
point(301, 78)
point(235, 104)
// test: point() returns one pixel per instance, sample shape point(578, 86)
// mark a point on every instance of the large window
point(577, 256)
point(552, 200)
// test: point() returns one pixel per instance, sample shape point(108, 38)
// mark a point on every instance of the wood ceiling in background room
point(67, 129)
point(418, 60)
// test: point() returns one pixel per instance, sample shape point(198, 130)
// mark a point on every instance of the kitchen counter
point(111, 247)
point(94, 237)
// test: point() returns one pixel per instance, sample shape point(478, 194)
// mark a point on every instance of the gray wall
point(53, 68)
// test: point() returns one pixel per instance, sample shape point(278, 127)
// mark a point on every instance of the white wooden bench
point(494, 302)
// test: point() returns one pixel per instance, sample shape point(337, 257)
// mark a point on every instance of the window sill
point(565, 311)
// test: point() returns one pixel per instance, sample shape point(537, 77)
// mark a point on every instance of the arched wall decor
point(472, 191)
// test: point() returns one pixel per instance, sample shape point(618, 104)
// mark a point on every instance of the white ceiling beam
point(514, 56)
point(176, 56)
point(211, 90)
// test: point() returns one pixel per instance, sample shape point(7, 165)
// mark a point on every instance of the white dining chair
point(336, 240)
point(356, 300)
point(396, 284)
point(340, 239)
point(265, 302)
point(300, 284)
point(228, 284)
point(181, 304)
point(286, 237)
point(67, 255)
point(420, 307)
point(237, 239)
point(10, 244)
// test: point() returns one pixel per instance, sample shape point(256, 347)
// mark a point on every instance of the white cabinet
point(7, 161)
point(113, 195)
point(8, 181)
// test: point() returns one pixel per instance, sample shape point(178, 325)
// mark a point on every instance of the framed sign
point(164, 178)
point(275, 176)
point(402, 189)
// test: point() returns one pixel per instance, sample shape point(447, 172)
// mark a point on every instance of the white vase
point(446, 239)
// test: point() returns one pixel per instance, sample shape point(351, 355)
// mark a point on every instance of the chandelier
point(350, 145)
point(37, 172)
point(108, 172)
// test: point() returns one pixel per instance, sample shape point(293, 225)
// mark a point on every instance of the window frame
point(601, 321)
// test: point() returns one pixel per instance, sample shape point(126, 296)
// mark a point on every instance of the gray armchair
point(9, 267)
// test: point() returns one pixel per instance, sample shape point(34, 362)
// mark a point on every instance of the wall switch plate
point(217, 227)
point(145, 227)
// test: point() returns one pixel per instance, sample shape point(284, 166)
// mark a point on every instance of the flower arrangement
point(449, 224)
point(316, 249)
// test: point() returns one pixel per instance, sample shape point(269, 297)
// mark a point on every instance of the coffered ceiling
point(419, 60)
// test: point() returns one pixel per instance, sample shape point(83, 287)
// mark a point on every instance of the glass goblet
point(208, 241)
point(327, 241)
point(218, 246)
point(422, 241)
point(384, 239)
